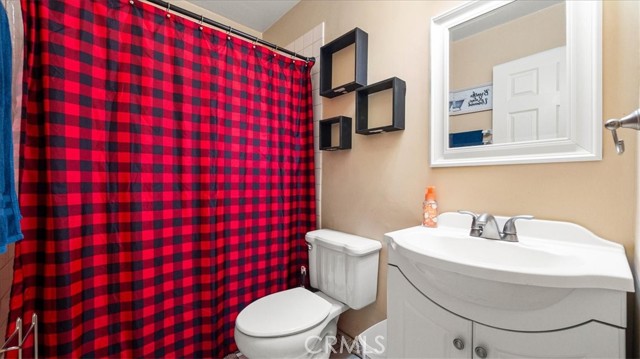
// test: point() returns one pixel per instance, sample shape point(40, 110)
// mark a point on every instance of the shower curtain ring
point(255, 41)
point(168, 9)
point(201, 21)
point(228, 32)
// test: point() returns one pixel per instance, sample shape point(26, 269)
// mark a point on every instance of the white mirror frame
point(584, 79)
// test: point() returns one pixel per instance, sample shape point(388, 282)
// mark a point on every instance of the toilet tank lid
point(343, 242)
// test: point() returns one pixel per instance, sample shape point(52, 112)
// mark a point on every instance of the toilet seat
point(284, 313)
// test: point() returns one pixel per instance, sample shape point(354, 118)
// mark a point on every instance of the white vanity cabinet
point(419, 328)
point(590, 340)
point(559, 291)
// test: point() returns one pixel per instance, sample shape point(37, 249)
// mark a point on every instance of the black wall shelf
point(360, 39)
point(398, 88)
point(344, 124)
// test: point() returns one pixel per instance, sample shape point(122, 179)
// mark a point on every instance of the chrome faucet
point(486, 226)
point(489, 226)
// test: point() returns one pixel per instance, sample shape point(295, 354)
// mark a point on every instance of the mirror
point(516, 82)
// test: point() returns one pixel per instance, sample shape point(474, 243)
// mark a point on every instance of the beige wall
point(473, 58)
point(378, 185)
point(185, 4)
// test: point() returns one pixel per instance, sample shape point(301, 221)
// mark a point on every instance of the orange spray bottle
point(430, 208)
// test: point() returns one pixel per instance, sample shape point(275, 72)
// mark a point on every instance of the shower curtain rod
point(228, 28)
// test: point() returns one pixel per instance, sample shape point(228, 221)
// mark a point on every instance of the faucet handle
point(509, 230)
point(469, 213)
point(476, 230)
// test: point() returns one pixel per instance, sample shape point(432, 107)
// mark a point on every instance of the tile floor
point(239, 355)
point(343, 356)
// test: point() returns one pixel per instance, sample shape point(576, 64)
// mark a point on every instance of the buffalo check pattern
point(166, 180)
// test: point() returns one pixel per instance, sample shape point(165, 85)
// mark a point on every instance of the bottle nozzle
point(430, 194)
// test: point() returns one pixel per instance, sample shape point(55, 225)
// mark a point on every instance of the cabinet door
point(591, 340)
point(418, 328)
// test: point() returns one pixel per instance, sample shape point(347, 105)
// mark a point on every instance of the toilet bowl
point(306, 322)
point(299, 323)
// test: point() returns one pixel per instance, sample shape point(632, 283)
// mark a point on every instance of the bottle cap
point(430, 194)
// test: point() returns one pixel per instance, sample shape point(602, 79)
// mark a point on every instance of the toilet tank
point(344, 266)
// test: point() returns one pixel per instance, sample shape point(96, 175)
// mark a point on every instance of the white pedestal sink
point(559, 281)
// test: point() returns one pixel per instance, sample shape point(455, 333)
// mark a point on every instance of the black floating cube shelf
point(399, 89)
point(345, 133)
point(360, 39)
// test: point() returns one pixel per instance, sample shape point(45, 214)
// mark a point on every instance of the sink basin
point(558, 275)
point(549, 254)
point(488, 254)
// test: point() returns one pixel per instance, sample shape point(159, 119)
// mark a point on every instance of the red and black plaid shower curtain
point(166, 180)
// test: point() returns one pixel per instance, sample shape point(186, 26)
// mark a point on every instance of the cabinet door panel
point(591, 340)
point(418, 328)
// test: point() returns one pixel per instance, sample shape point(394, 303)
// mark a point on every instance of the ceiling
point(255, 14)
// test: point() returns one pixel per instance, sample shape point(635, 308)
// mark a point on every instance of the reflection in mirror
point(516, 81)
point(507, 75)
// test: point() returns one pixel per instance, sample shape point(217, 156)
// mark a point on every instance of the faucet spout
point(486, 226)
point(489, 226)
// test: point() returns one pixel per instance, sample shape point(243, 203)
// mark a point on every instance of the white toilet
point(298, 323)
